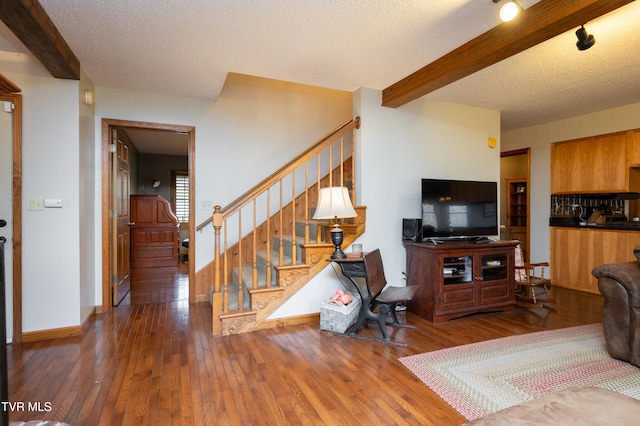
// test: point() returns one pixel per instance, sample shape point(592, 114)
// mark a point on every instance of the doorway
point(515, 185)
point(11, 211)
point(109, 219)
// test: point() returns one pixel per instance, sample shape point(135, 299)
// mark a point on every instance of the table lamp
point(334, 203)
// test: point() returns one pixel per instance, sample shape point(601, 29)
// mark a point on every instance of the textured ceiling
point(187, 47)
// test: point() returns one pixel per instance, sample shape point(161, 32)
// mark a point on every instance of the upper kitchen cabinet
point(598, 164)
point(633, 139)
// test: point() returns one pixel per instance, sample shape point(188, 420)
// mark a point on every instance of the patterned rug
point(482, 378)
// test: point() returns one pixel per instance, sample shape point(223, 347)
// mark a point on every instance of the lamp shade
point(334, 202)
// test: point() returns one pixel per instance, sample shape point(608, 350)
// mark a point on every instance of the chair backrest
point(375, 272)
point(521, 273)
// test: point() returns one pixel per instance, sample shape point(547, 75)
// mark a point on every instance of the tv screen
point(459, 208)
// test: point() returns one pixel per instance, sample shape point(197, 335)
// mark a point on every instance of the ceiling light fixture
point(88, 97)
point(585, 40)
point(509, 10)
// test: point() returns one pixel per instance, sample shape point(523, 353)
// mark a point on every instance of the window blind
point(181, 198)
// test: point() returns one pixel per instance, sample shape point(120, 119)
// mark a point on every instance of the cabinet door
point(633, 145)
point(494, 278)
point(575, 252)
point(590, 165)
point(458, 289)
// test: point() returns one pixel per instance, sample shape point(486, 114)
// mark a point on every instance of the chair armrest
point(627, 274)
point(539, 264)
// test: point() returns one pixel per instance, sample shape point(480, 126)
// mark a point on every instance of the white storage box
point(337, 317)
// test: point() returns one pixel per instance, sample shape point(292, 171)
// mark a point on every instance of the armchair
point(619, 283)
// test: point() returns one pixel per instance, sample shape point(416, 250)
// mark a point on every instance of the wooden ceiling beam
point(542, 21)
point(31, 24)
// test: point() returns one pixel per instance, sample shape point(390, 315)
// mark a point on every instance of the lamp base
point(337, 236)
point(338, 254)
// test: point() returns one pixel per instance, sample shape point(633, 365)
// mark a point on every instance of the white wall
point(89, 169)
point(51, 237)
point(539, 139)
point(396, 148)
point(255, 127)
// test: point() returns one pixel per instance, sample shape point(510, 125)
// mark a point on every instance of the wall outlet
point(34, 204)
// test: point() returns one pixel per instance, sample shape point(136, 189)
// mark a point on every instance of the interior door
point(121, 184)
point(6, 205)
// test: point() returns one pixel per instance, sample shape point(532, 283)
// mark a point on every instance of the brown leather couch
point(619, 283)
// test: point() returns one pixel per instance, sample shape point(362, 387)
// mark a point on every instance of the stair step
point(287, 247)
point(313, 228)
point(266, 299)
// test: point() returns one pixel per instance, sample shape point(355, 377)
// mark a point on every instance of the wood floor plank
point(153, 361)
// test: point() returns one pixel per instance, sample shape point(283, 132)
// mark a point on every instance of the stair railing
point(273, 207)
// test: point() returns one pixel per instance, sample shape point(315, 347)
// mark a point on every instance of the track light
point(509, 10)
point(585, 40)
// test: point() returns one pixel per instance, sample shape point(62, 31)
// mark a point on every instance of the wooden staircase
point(259, 265)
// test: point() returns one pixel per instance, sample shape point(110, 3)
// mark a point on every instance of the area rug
point(482, 378)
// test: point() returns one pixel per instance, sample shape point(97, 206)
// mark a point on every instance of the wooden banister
point(284, 170)
point(250, 238)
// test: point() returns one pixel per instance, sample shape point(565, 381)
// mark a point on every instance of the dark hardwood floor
point(153, 361)
point(158, 285)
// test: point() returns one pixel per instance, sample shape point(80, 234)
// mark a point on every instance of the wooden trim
point(107, 125)
point(17, 218)
point(527, 152)
point(31, 24)
point(287, 168)
point(8, 86)
point(88, 320)
point(312, 318)
point(515, 152)
point(16, 231)
point(53, 333)
point(538, 23)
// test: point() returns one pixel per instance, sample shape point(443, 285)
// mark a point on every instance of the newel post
point(216, 297)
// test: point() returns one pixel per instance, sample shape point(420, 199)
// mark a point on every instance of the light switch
point(207, 205)
point(55, 203)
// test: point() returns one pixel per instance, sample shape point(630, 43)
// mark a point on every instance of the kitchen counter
point(573, 222)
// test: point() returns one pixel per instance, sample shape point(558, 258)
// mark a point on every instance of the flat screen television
point(455, 209)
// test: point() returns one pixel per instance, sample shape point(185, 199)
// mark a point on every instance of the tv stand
point(460, 279)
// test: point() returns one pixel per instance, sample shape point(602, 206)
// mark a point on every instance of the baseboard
point(284, 322)
point(54, 333)
point(86, 321)
point(202, 298)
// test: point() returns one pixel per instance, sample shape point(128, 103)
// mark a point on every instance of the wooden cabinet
point(518, 211)
point(154, 232)
point(597, 164)
point(458, 279)
point(633, 148)
point(576, 251)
